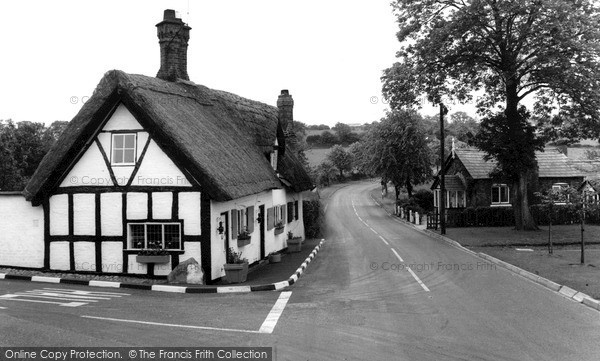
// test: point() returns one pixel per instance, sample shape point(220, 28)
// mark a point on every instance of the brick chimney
point(285, 104)
point(173, 36)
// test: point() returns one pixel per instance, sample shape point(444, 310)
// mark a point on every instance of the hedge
point(504, 216)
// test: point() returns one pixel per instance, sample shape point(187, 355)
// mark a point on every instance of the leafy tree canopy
point(511, 49)
point(340, 158)
point(22, 147)
point(396, 150)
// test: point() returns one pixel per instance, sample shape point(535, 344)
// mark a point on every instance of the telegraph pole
point(442, 205)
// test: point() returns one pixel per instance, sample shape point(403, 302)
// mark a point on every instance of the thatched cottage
point(159, 163)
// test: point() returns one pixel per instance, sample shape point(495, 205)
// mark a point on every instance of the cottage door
point(261, 223)
point(225, 220)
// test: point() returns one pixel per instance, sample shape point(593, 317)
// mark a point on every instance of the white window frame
point(113, 148)
point(464, 199)
point(500, 186)
point(559, 187)
point(145, 224)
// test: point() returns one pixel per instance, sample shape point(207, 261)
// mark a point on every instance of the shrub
point(313, 218)
point(424, 198)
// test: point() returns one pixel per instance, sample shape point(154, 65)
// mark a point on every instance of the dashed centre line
point(397, 255)
point(393, 250)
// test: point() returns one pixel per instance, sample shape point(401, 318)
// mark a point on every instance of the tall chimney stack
point(285, 104)
point(173, 36)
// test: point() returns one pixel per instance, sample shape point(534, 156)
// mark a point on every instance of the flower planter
point(294, 244)
point(153, 259)
point(236, 272)
point(274, 258)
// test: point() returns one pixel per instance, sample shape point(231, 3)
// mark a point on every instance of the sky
point(329, 54)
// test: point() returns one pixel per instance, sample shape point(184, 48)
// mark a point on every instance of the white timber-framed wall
point(112, 186)
point(83, 225)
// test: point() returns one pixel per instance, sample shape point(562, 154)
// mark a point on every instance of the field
point(316, 155)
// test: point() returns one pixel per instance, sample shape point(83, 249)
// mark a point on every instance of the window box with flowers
point(153, 256)
point(279, 226)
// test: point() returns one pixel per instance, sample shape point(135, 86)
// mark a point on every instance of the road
point(378, 290)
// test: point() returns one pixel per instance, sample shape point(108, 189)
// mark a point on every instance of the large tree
point(511, 49)
point(22, 147)
point(396, 150)
point(340, 158)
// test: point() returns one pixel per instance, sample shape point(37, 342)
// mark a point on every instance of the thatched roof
point(219, 139)
point(551, 163)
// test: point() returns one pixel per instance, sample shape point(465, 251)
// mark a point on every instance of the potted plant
point(243, 237)
point(274, 257)
point(279, 227)
point(153, 255)
point(294, 243)
point(236, 268)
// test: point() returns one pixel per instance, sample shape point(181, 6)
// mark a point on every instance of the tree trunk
point(523, 218)
point(409, 188)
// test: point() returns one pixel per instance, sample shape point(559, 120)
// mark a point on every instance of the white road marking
point(59, 295)
point(397, 255)
point(365, 223)
point(81, 292)
point(418, 280)
point(64, 304)
point(271, 321)
point(169, 324)
point(393, 250)
point(2, 308)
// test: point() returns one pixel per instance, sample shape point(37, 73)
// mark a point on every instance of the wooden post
point(582, 240)
point(442, 204)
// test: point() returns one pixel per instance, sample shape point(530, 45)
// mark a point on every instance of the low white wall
point(21, 232)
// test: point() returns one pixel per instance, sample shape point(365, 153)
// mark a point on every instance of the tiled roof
point(551, 163)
